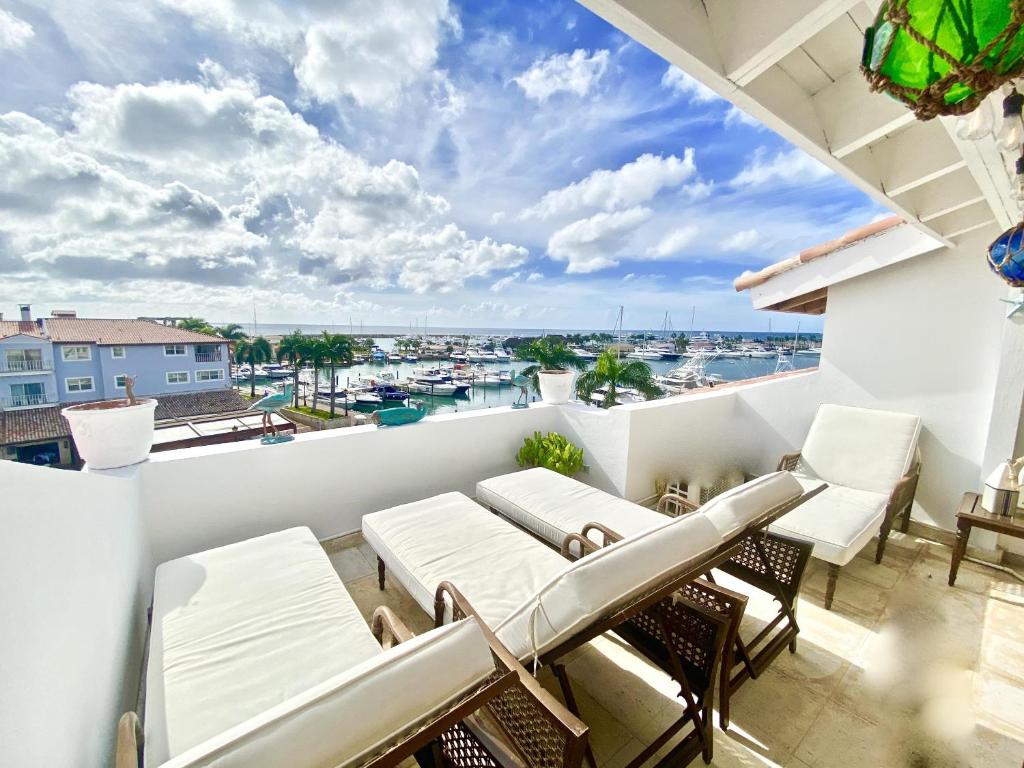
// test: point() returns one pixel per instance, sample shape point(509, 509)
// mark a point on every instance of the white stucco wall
point(72, 615)
point(923, 336)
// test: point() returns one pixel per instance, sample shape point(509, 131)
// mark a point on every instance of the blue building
point(64, 359)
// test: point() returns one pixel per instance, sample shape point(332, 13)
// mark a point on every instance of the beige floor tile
point(367, 597)
point(776, 710)
point(350, 564)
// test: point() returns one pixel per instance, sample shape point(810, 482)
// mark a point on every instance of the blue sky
point(483, 164)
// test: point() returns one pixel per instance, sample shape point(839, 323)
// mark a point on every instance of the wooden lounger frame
point(480, 728)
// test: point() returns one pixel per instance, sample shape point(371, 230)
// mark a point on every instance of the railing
point(208, 357)
point(25, 366)
point(26, 401)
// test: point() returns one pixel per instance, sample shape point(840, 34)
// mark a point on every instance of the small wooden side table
point(972, 515)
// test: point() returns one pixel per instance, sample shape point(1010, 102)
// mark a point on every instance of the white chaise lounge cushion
point(239, 629)
point(553, 505)
point(860, 448)
point(452, 538)
point(594, 585)
point(350, 715)
point(735, 509)
point(840, 521)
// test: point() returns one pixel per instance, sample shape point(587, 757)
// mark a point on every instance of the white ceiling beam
point(988, 168)
point(930, 201)
point(964, 220)
point(853, 117)
point(753, 35)
point(917, 155)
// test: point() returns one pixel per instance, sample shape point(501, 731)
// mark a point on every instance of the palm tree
point(254, 352)
point(314, 353)
point(196, 324)
point(337, 349)
point(612, 373)
point(550, 356)
point(291, 348)
point(232, 333)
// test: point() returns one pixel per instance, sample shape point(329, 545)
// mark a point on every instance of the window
point(27, 394)
point(76, 354)
point(177, 377)
point(119, 381)
point(117, 353)
point(24, 360)
point(79, 384)
point(174, 350)
point(212, 374)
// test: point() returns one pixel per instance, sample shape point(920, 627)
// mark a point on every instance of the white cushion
point(860, 448)
point(240, 629)
point(840, 521)
point(452, 538)
point(735, 509)
point(595, 584)
point(351, 714)
point(553, 505)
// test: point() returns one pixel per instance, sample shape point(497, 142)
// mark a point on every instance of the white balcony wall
point(72, 576)
point(198, 498)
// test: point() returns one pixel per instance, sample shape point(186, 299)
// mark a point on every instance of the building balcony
point(208, 357)
point(28, 401)
point(25, 366)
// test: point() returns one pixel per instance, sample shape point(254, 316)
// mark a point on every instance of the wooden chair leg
point(883, 536)
point(380, 573)
point(830, 588)
point(570, 703)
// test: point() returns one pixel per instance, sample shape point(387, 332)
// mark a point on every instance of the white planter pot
point(556, 386)
point(112, 433)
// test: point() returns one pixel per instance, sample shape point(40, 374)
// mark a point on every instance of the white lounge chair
point(552, 506)
point(871, 462)
point(541, 606)
point(258, 657)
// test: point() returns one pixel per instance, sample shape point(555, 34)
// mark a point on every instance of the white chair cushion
point(452, 538)
point(840, 521)
point(553, 505)
point(860, 448)
point(735, 509)
point(593, 585)
point(349, 715)
point(239, 629)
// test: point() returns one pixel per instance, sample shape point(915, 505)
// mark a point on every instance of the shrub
point(552, 451)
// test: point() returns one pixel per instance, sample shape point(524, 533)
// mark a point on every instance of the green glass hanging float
point(943, 57)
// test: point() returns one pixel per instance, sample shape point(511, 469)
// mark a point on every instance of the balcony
point(208, 357)
point(28, 401)
point(25, 366)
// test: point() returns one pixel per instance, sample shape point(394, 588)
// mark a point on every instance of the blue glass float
point(1006, 256)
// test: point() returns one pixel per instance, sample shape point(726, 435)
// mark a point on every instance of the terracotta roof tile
point(86, 330)
point(188, 405)
point(31, 425)
point(753, 279)
point(18, 327)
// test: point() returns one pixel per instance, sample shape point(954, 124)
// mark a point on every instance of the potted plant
point(113, 433)
point(613, 374)
point(551, 451)
point(552, 375)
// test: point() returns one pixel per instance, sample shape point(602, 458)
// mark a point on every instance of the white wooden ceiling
point(794, 65)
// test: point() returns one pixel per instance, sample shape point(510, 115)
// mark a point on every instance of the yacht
point(755, 351)
point(502, 355)
point(691, 375)
point(444, 388)
point(583, 354)
point(815, 351)
point(277, 371)
point(410, 358)
point(644, 353)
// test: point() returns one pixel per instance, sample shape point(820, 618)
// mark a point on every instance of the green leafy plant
point(550, 356)
point(551, 451)
point(613, 374)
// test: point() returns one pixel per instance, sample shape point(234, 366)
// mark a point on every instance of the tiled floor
point(903, 671)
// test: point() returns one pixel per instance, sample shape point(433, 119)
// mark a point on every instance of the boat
point(815, 351)
point(754, 351)
point(366, 397)
point(390, 393)
point(378, 356)
point(411, 359)
point(277, 371)
point(583, 354)
point(691, 375)
point(442, 388)
point(502, 355)
point(622, 396)
point(644, 353)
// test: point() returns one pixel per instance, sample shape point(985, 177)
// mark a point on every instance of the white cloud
point(685, 85)
point(591, 244)
point(790, 167)
point(14, 32)
point(673, 242)
point(534, 277)
point(367, 50)
point(575, 73)
point(736, 116)
point(634, 183)
point(743, 240)
point(500, 285)
point(193, 183)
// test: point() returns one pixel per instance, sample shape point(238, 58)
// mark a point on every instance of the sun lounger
point(552, 506)
point(541, 605)
point(258, 657)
